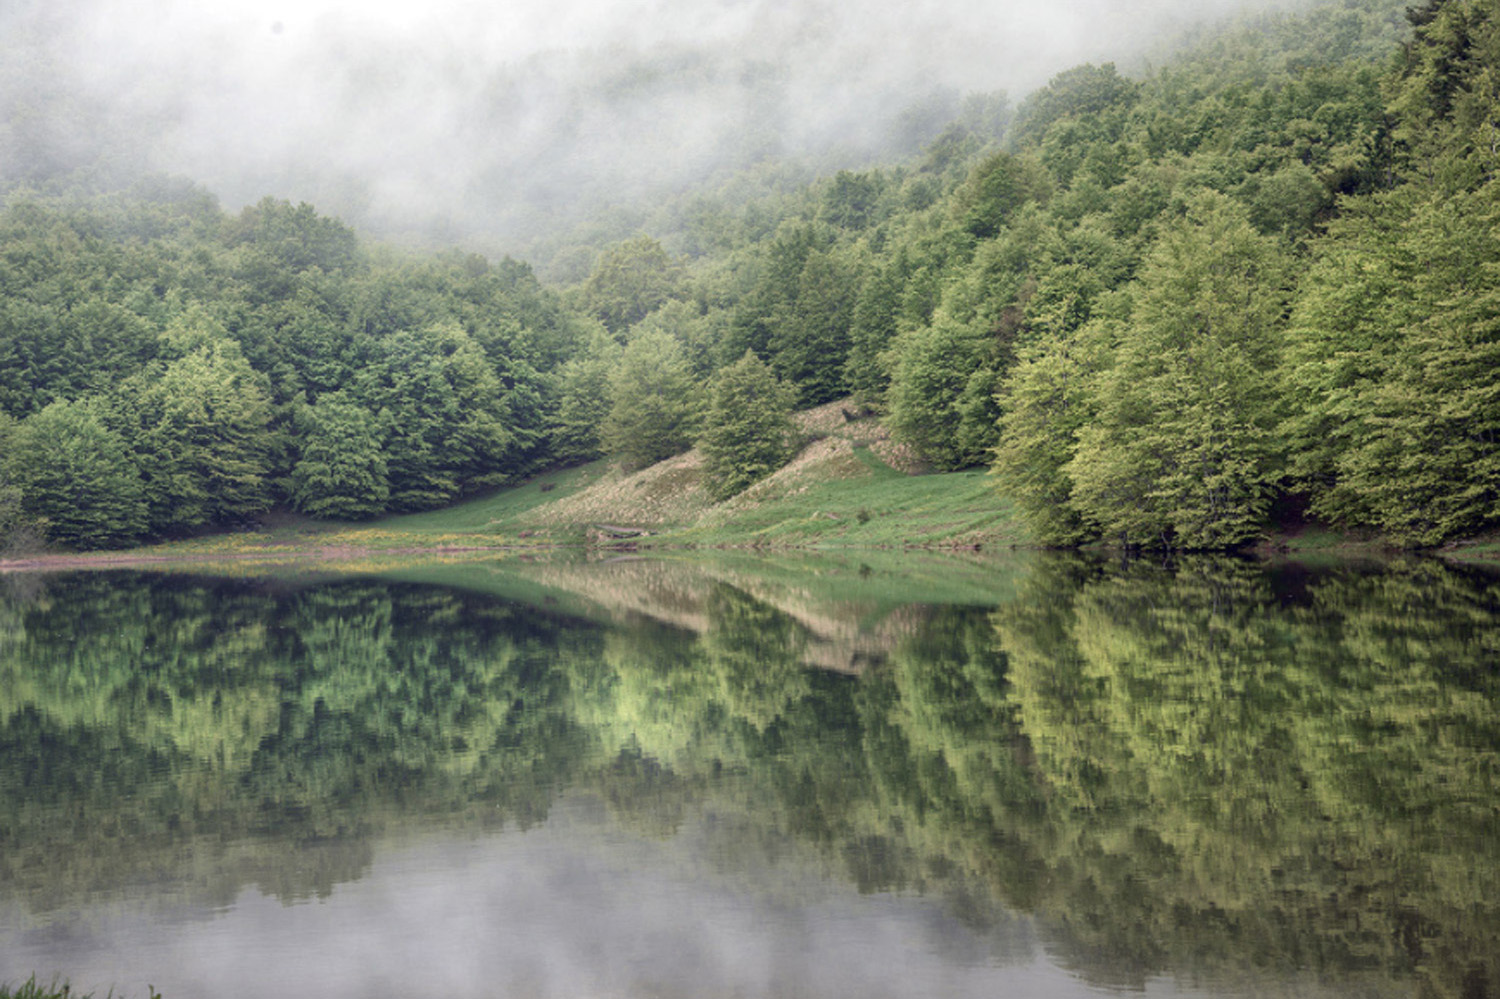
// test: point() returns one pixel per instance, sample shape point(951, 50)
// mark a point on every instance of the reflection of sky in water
point(573, 908)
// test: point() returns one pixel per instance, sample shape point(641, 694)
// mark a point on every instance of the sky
point(500, 118)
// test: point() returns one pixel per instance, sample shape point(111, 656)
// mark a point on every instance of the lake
point(1041, 776)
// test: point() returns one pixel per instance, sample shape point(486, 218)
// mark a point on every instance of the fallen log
point(621, 532)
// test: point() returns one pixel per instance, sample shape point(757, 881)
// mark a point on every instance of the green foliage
point(872, 329)
point(200, 427)
point(655, 405)
point(78, 476)
point(341, 473)
point(18, 531)
point(630, 281)
point(810, 338)
point(1445, 94)
point(583, 400)
point(797, 313)
point(1183, 451)
point(1392, 419)
point(852, 200)
point(1046, 400)
point(940, 401)
point(746, 431)
point(440, 407)
point(995, 190)
point(291, 238)
point(1086, 92)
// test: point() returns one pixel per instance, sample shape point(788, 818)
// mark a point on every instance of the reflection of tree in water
point(1245, 779)
point(150, 712)
point(1207, 768)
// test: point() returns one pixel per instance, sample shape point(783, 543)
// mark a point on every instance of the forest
point(1256, 282)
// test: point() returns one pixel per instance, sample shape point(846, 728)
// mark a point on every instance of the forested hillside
point(1259, 279)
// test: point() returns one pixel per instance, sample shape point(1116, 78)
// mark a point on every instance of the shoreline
point(1280, 547)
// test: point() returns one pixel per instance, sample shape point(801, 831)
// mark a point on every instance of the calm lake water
point(1047, 777)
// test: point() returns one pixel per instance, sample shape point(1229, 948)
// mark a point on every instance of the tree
point(583, 400)
point(442, 411)
point(809, 339)
point(1444, 96)
point(1183, 452)
point(1394, 419)
point(201, 430)
point(631, 280)
point(746, 432)
point(654, 402)
point(78, 476)
point(17, 530)
point(341, 473)
point(940, 400)
point(295, 238)
point(1046, 400)
point(871, 331)
point(995, 190)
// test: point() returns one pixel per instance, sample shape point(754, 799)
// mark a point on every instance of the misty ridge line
point(458, 122)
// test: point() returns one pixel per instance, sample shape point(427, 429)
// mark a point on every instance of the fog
point(495, 121)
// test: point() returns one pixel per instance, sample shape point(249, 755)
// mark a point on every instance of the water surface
point(1046, 777)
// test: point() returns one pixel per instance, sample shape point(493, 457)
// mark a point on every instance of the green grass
point(500, 509)
point(887, 509)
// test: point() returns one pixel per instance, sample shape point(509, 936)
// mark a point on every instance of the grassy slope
point(850, 487)
point(842, 490)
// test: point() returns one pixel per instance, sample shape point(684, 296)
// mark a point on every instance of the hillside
point(849, 485)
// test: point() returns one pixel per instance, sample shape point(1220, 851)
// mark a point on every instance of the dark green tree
point(201, 430)
point(440, 405)
point(941, 396)
point(583, 400)
point(78, 476)
point(746, 431)
point(341, 472)
point(655, 404)
point(630, 281)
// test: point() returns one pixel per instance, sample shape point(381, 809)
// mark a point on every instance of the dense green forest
point(1258, 281)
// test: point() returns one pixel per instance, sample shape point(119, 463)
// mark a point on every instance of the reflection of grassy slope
point(851, 610)
point(849, 605)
